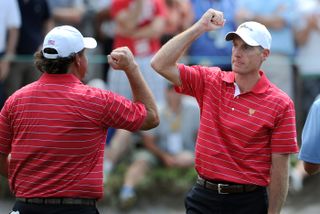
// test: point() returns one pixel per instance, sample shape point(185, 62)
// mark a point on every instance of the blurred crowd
point(145, 25)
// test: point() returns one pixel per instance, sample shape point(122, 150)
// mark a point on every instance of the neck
point(73, 70)
point(246, 82)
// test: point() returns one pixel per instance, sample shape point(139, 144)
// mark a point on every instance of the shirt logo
point(251, 111)
point(51, 42)
point(247, 27)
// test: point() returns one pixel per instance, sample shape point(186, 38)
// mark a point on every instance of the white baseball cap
point(66, 40)
point(252, 33)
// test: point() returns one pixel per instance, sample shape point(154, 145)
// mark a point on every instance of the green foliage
point(159, 182)
point(169, 180)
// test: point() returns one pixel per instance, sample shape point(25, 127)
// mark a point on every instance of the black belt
point(225, 188)
point(61, 201)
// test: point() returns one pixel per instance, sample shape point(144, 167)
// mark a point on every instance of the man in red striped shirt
point(55, 128)
point(247, 129)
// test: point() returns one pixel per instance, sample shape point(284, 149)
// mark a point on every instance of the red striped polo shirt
point(55, 130)
point(238, 134)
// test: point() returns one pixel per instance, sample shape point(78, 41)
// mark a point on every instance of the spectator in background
point(139, 25)
point(10, 22)
point(179, 17)
point(36, 22)
point(211, 48)
point(104, 30)
point(171, 144)
point(278, 16)
point(67, 12)
point(307, 34)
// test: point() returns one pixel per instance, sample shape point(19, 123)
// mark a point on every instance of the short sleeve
point(192, 82)
point(122, 113)
point(5, 130)
point(310, 146)
point(284, 135)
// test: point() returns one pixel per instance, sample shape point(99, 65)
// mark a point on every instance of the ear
point(265, 54)
point(77, 60)
point(75, 67)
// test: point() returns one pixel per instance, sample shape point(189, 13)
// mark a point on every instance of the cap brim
point(89, 42)
point(230, 36)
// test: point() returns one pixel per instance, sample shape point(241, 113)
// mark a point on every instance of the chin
point(235, 69)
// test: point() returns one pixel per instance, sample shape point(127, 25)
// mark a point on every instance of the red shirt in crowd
point(55, 130)
point(238, 132)
point(141, 46)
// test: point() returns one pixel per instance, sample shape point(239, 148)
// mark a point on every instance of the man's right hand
point(122, 59)
point(211, 20)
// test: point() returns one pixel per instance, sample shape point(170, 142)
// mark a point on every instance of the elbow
point(155, 120)
point(154, 63)
point(151, 121)
point(157, 65)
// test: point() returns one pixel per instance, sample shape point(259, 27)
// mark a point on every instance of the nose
point(236, 52)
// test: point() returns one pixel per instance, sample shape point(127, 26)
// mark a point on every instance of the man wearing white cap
point(247, 125)
point(55, 128)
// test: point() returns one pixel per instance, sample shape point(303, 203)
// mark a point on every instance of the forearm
point(103, 15)
point(270, 21)
point(69, 15)
point(166, 59)
point(154, 29)
point(302, 36)
point(48, 25)
point(142, 93)
point(13, 37)
point(4, 165)
point(278, 187)
point(128, 18)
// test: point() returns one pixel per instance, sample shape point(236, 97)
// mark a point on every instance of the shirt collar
point(260, 87)
point(59, 78)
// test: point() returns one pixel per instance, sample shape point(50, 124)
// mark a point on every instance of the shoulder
point(315, 108)
point(279, 100)
point(203, 70)
point(25, 89)
point(316, 103)
point(96, 92)
point(279, 95)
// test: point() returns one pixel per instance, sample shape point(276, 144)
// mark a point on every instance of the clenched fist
point(212, 20)
point(122, 59)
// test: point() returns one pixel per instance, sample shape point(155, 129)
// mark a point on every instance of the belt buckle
point(220, 187)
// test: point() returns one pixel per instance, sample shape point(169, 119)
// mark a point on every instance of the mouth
point(236, 63)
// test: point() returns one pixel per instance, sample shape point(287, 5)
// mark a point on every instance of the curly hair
point(53, 66)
